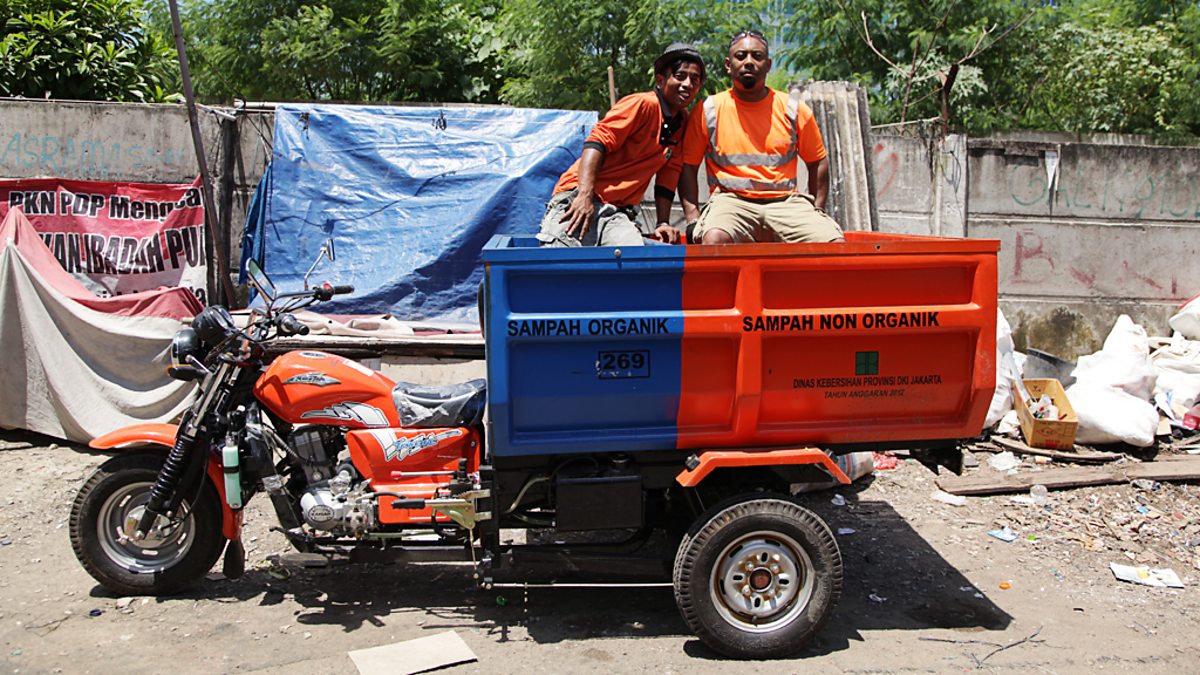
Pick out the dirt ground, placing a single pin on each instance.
(923, 593)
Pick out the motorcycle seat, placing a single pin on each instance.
(452, 405)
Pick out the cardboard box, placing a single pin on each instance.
(1057, 434)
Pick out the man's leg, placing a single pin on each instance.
(726, 219)
(615, 226)
(796, 220)
(554, 230)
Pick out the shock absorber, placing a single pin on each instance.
(165, 484)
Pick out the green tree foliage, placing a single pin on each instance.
(1128, 66)
(83, 49)
(345, 50)
(1107, 78)
(900, 49)
(559, 53)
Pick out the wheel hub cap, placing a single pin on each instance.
(760, 579)
(761, 582)
(159, 532)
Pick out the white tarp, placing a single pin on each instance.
(74, 372)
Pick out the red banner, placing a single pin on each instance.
(117, 238)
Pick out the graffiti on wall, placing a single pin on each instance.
(1036, 262)
(1109, 189)
(887, 165)
(887, 159)
(87, 157)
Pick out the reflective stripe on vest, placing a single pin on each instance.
(750, 159)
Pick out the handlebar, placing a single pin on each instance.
(327, 291)
(290, 325)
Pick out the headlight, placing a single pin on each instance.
(213, 324)
(184, 344)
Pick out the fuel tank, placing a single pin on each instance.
(312, 387)
(413, 463)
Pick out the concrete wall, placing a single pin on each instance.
(915, 173)
(1114, 229)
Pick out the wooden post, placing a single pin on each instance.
(210, 211)
(612, 88)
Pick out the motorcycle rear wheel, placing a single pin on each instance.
(170, 559)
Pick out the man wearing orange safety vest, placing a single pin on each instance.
(597, 201)
(750, 138)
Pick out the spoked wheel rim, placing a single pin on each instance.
(762, 581)
(162, 547)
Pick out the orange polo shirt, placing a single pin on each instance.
(758, 128)
(629, 134)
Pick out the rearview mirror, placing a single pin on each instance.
(325, 252)
(259, 280)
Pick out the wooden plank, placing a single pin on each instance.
(1061, 455)
(1177, 469)
(996, 484)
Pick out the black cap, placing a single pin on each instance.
(678, 50)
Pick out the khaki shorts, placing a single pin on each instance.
(611, 225)
(793, 219)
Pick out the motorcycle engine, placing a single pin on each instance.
(334, 503)
(339, 506)
(317, 446)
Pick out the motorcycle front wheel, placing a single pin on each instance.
(172, 557)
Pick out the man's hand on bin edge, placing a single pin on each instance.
(668, 234)
(579, 213)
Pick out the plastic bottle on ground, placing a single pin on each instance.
(1039, 494)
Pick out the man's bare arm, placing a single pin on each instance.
(664, 230)
(689, 192)
(579, 213)
(818, 181)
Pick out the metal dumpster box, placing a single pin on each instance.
(882, 338)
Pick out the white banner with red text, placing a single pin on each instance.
(117, 238)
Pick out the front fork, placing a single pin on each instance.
(166, 495)
(183, 473)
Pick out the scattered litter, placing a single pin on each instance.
(947, 498)
(1039, 494)
(1005, 585)
(5, 541)
(1004, 461)
(1009, 425)
(124, 603)
(877, 599)
(1044, 409)
(1144, 484)
(838, 500)
(501, 601)
(1003, 534)
(414, 656)
(885, 461)
(967, 589)
(1146, 576)
(16, 652)
(846, 530)
(95, 612)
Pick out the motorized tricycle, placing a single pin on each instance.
(659, 389)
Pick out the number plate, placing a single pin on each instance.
(622, 365)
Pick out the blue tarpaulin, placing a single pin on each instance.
(410, 196)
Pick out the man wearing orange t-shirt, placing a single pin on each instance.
(750, 138)
(597, 200)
